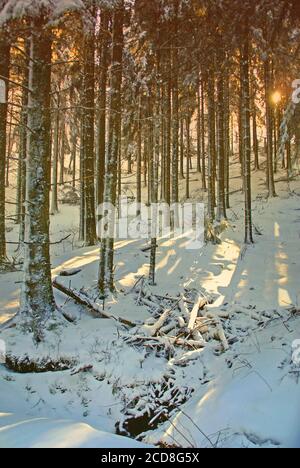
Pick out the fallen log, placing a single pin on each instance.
(199, 305)
(184, 310)
(222, 336)
(70, 272)
(93, 306)
(166, 340)
(152, 330)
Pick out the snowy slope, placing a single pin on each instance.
(16, 432)
(248, 396)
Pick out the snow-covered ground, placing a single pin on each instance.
(247, 396)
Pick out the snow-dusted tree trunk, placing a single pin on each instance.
(37, 302)
(175, 110)
(269, 125)
(212, 145)
(54, 197)
(4, 71)
(255, 137)
(227, 136)
(245, 83)
(221, 206)
(139, 158)
(105, 15)
(199, 147)
(202, 101)
(106, 270)
(90, 236)
(157, 125)
(20, 212)
(188, 154)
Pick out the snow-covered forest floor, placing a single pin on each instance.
(169, 394)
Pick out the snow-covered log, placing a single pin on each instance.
(94, 307)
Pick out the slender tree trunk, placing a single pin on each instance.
(89, 138)
(203, 151)
(212, 147)
(245, 83)
(227, 137)
(22, 151)
(168, 135)
(9, 142)
(175, 111)
(61, 150)
(37, 303)
(106, 270)
(105, 16)
(199, 147)
(221, 207)
(54, 198)
(139, 160)
(269, 124)
(188, 154)
(255, 140)
(4, 71)
(82, 182)
(157, 123)
(182, 148)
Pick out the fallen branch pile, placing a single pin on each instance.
(182, 321)
(186, 321)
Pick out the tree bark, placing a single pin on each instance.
(269, 124)
(106, 270)
(105, 16)
(54, 197)
(37, 302)
(212, 146)
(221, 207)
(4, 71)
(245, 83)
(89, 137)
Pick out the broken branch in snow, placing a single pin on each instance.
(82, 370)
(70, 272)
(94, 307)
(40, 243)
(135, 284)
(199, 305)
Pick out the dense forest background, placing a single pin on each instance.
(161, 101)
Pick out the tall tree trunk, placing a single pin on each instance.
(203, 151)
(82, 181)
(221, 208)
(139, 159)
(89, 138)
(168, 134)
(23, 149)
(54, 197)
(9, 141)
(182, 148)
(188, 155)
(37, 302)
(255, 139)
(106, 270)
(199, 147)
(4, 71)
(269, 124)
(212, 146)
(227, 137)
(245, 83)
(157, 124)
(175, 110)
(105, 16)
